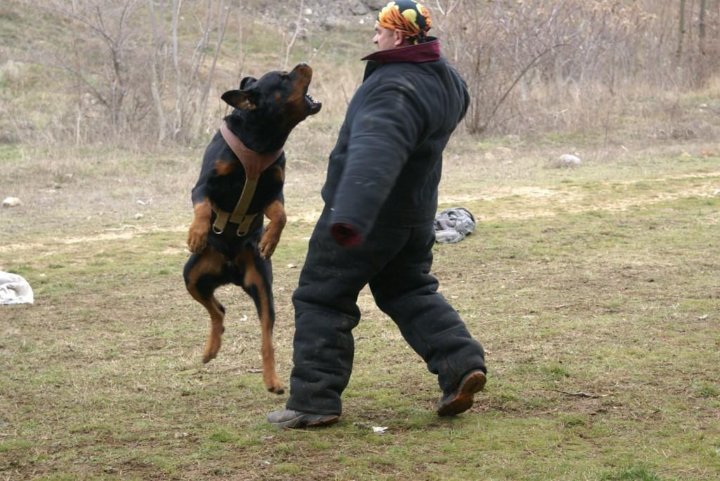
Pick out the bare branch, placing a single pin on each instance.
(296, 32)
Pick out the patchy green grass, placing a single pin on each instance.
(594, 291)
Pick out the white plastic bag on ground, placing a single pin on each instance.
(14, 289)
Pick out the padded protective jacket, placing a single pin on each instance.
(387, 163)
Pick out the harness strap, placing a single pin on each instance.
(254, 165)
(239, 214)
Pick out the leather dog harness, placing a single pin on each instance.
(254, 165)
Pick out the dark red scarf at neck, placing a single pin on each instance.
(423, 52)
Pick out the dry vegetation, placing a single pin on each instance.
(538, 66)
(594, 289)
(150, 72)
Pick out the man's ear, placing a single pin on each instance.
(240, 99)
(399, 38)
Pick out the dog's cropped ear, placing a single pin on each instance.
(246, 82)
(240, 99)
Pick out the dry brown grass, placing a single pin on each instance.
(594, 291)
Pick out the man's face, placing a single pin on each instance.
(384, 38)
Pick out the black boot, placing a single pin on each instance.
(461, 399)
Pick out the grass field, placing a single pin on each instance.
(595, 290)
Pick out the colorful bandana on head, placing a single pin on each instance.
(408, 17)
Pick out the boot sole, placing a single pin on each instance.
(302, 421)
(463, 398)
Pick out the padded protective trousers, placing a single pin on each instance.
(395, 262)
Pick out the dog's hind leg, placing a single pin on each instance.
(257, 282)
(203, 274)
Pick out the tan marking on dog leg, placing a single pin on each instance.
(275, 212)
(200, 226)
(254, 279)
(210, 263)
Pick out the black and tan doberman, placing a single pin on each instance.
(241, 182)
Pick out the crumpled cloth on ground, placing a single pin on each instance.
(14, 289)
(452, 225)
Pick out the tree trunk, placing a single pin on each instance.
(156, 68)
(202, 106)
(681, 30)
(701, 26)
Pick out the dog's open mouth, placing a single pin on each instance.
(313, 105)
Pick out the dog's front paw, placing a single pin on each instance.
(271, 236)
(197, 238)
(200, 226)
(267, 244)
(277, 389)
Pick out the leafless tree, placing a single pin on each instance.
(108, 44)
(681, 28)
(290, 43)
(702, 32)
(528, 64)
(182, 74)
(147, 70)
(131, 65)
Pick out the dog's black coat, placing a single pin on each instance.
(265, 112)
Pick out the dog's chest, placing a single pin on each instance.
(226, 184)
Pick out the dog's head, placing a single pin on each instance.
(279, 98)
